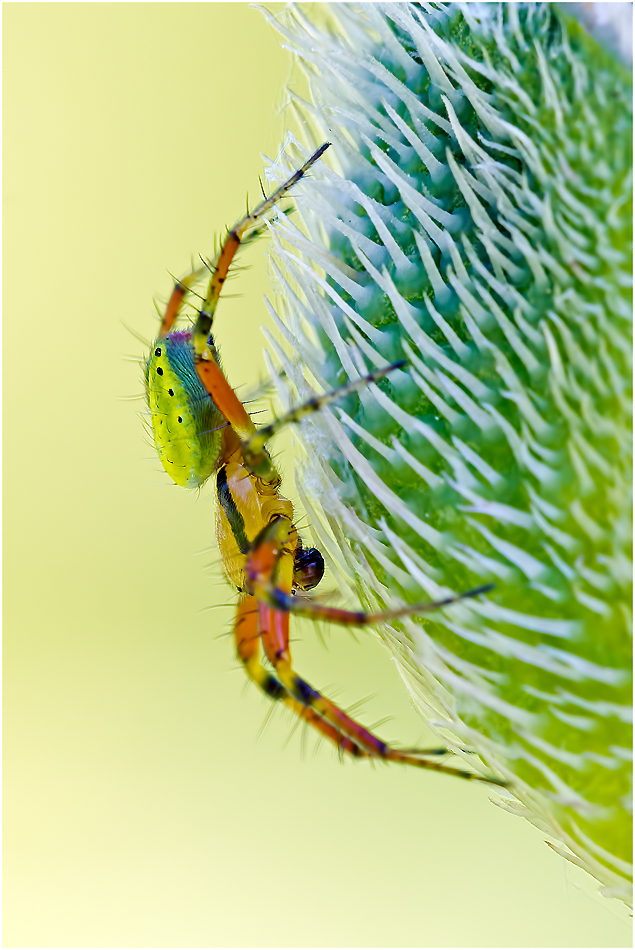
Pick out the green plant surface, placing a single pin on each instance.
(476, 220)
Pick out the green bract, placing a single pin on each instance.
(479, 225)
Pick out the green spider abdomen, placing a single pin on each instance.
(186, 422)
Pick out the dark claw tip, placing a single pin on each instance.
(485, 589)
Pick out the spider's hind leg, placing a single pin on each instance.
(270, 575)
(340, 722)
(248, 649)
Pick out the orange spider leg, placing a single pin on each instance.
(270, 570)
(177, 297)
(261, 550)
(226, 399)
(241, 428)
(210, 374)
(247, 635)
(208, 370)
(228, 251)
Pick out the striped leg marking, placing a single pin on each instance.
(270, 572)
(248, 649)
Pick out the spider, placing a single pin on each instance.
(202, 429)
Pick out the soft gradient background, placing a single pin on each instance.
(141, 808)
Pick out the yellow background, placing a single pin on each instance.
(141, 808)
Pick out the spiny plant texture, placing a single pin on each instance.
(478, 224)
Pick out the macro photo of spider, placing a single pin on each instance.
(201, 430)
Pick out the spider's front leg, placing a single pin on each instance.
(223, 402)
(231, 243)
(269, 572)
(175, 303)
(243, 430)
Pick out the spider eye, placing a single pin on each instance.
(308, 568)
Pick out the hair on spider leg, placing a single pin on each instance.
(294, 728)
(319, 626)
(341, 755)
(211, 265)
(374, 726)
(247, 685)
(303, 739)
(177, 282)
(251, 397)
(215, 429)
(273, 706)
(229, 631)
(233, 296)
(224, 635)
(194, 293)
(319, 739)
(354, 707)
